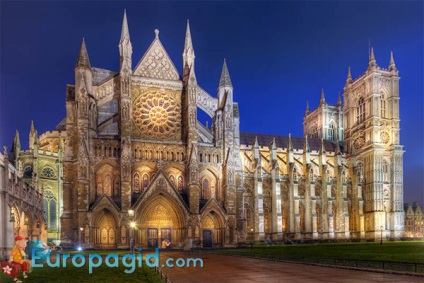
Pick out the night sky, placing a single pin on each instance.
(279, 55)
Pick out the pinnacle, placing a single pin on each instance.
(372, 62)
(225, 79)
(339, 100)
(125, 34)
(322, 96)
(290, 145)
(392, 65)
(188, 44)
(32, 126)
(17, 140)
(349, 75)
(83, 60)
(307, 149)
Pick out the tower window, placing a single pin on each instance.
(360, 111)
(383, 106)
(330, 134)
(314, 133)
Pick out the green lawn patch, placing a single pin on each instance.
(72, 274)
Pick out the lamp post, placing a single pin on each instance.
(381, 235)
(79, 248)
(132, 225)
(251, 242)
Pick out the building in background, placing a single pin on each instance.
(21, 208)
(132, 150)
(414, 221)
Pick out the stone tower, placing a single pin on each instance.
(373, 145)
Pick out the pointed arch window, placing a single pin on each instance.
(145, 181)
(172, 180)
(206, 192)
(136, 183)
(330, 135)
(180, 183)
(314, 133)
(385, 172)
(107, 185)
(50, 209)
(360, 111)
(117, 187)
(383, 106)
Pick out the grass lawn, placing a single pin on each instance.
(353, 254)
(72, 274)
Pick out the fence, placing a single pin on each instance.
(413, 267)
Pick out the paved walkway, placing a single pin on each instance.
(221, 269)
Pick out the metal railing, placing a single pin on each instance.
(413, 267)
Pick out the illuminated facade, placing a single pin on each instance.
(132, 141)
(21, 207)
(414, 221)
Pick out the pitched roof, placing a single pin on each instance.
(282, 142)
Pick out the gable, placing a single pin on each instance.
(156, 63)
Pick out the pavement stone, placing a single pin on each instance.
(222, 269)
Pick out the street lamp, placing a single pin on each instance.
(251, 243)
(132, 225)
(381, 235)
(79, 248)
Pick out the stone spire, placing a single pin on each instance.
(125, 34)
(125, 47)
(290, 144)
(225, 80)
(392, 65)
(83, 60)
(322, 101)
(339, 100)
(372, 62)
(349, 76)
(31, 135)
(188, 53)
(307, 108)
(17, 140)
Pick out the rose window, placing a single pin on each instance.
(157, 115)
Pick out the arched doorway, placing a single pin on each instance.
(160, 220)
(213, 230)
(105, 230)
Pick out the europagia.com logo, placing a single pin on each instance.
(130, 261)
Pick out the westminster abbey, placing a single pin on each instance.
(132, 151)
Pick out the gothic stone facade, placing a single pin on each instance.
(133, 142)
(42, 166)
(21, 208)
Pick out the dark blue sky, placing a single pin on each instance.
(279, 55)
